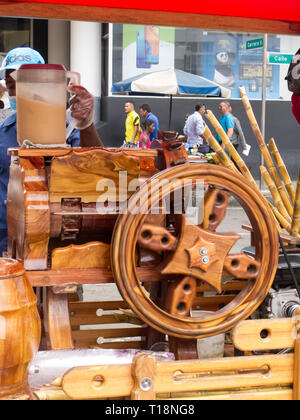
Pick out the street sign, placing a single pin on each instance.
(254, 43)
(277, 58)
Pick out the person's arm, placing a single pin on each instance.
(135, 130)
(229, 125)
(200, 126)
(89, 137)
(82, 110)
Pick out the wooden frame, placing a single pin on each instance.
(116, 15)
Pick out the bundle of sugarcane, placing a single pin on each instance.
(230, 148)
(274, 192)
(286, 201)
(282, 169)
(222, 157)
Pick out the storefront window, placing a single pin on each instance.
(223, 57)
(13, 31)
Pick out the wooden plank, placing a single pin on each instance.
(296, 389)
(255, 394)
(214, 300)
(264, 334)
(112, 332)
(89, 340)
(109, 305)
(89, 255)
(107, 14)
(227, 286)
(196, 375)
(61, 277)
(86, 174)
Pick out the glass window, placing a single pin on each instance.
(13, 32)
(224, 57)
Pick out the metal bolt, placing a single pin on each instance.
(146, 384)
(205, 260)
(203, 251)
(72, 313)
(33, 369)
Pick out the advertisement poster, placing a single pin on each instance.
(227, 61)
(147, 48)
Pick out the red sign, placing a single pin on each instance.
(263, 9)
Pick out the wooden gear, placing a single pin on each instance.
(184, 264)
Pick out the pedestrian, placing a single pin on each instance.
(226, 122)
(132, 126)
(82, 109)
(194, 127)
(145, 112)
(144, 140)
(238, 135)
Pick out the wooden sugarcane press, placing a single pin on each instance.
(72, 220)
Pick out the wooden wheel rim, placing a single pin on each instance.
(124, 244)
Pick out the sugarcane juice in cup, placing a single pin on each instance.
(40, 122)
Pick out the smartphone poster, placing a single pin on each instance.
(152, 44)
(141, 51)
(146, 48)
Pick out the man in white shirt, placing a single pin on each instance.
(194, 127)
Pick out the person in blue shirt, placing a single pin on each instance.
(145, 112)
(82, 107)
(226, 121)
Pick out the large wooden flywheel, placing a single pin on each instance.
(190, 251)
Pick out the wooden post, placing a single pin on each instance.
(296, 388)
(143, 373)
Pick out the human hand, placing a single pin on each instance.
(82, 106)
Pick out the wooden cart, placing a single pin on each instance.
(162, 264)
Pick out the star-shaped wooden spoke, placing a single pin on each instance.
(201, 254)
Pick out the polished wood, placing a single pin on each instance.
(262, 334)
(156, 238)
(66, 276)
(100, 314)
(174, 153)
(20, 328)
(268, 376)
(241, 266)
(143, 372)
(118, 15)
(296, 387)
(215, 208)
(256, 372)
(56, 320)
(28, 212)
(89, 255)
(189, 262)
(86, 173)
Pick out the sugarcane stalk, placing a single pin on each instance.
(282, 170)
(275, 194)
(281, 220)
(215, 158)
(296, 215)
(283, 194)
(264, 150)
(252, 119)
(229, 146)
(221, 155)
